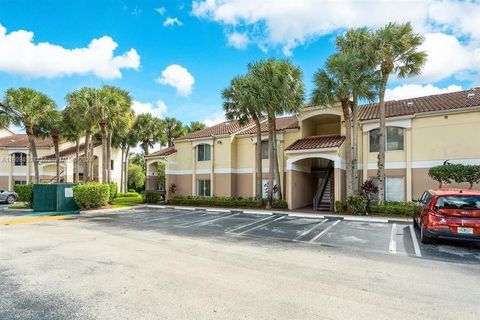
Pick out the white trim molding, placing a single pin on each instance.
(402, 123)
(208, 141)
(313, 113)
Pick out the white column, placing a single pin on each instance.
(10, 172)
(194, 169)
(212, 168)
(408, 160)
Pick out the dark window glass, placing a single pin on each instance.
(20, 182)
(264, 149)
(374, 140)
(20, 159)
(112, 166)
(203, 188)
(459, 202)
(393, 142)
(203, 153)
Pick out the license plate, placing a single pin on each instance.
(465, 230)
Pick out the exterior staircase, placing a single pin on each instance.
(323, 200)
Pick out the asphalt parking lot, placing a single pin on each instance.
(375, 236)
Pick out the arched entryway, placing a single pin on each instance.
(314, 182)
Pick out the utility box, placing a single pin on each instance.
(56, 197)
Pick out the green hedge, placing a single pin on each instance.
(113, 191)
(25, 193)
(357, 205)
(459, 173)
(151, 197)
(223, 202)
(128, 195)
(394, 208)
(91, 195)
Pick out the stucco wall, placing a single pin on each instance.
(302, 189)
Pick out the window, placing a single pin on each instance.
(20, 159)
(394, 188)
(203, 188)
(458, 202)
(20, 182)
(203, 153)
(265, 150)
(393, 142)
(112, 166)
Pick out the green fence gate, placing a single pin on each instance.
(56, 197)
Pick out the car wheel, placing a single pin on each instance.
(415, 223)
(11, 199)
(423, 237)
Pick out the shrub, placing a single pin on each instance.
(217, 201)
(459, 173)
(113, 191)
(394, 208)
(25, 193)
(132, 190)
(91, 195)
(128, 194)
(151, 197)
(472, 174)
(340, 207)
(357, 205)
(280, 204)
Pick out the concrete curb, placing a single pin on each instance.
(290, 214)
(91, 212)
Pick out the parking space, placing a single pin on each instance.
(392, 238)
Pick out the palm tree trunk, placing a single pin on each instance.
(86, 156)
(103, 129)
(57, 157)
(348, 145)
(122, 170)
(126, 168)
(277, 169)
(258, 157)
(145, 147)
(77, 160)
(109, 156)
(271, 156)
(355, 182)
(91, 158)
(381, 150)
(33, 148)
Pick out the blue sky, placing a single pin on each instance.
(174, 57)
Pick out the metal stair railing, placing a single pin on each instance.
(321, 190)
(56, 177)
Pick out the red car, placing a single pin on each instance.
(448, 214)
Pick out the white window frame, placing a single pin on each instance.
(204, 153)
(201, 192)
(386, 139)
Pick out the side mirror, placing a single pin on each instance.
(2, 191)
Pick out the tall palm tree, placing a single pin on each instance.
(148, 130)
(26, 107)
(280, 90)
(194, 126)
(396, 48)
(364, 82)
(52, 126)
(130, 140)
(73, 132)
(332, 87)
(172, 129)
(239, 104)
(80, 105)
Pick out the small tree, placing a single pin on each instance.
(136, 176)
(440, 174)
(369, 189)
(472, 174)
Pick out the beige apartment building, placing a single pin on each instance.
(421, 133)
(16, 163)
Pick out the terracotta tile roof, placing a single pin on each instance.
(21, 141)
(69, 153)
(290, 122)
(317, 142)
(227, 127)
(438, 102)
(162, 153)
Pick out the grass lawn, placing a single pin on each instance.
(122, 202)
(18, 206)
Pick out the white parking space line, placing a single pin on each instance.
(324, 232)
(393, 241)
(416, 247)
(207, 221)
(170, 217)
(260, 226)
(310, 230)
(249, 224)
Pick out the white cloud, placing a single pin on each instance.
(161, 10)
(157, 110)
(238, 40)
(416, 90)
(172, 21)
(179, 78)
(19, 54)
(215, 119)
(451, 27)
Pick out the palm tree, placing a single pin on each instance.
(52, 126)
(239, 104)
(280, 90)
(194, 126)
(130, 140)
(332, 87)
(80, 105)
(364, 82)
(396, 48)
(26, 107)
(148, 130)
(73, 132)
(172, 129)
